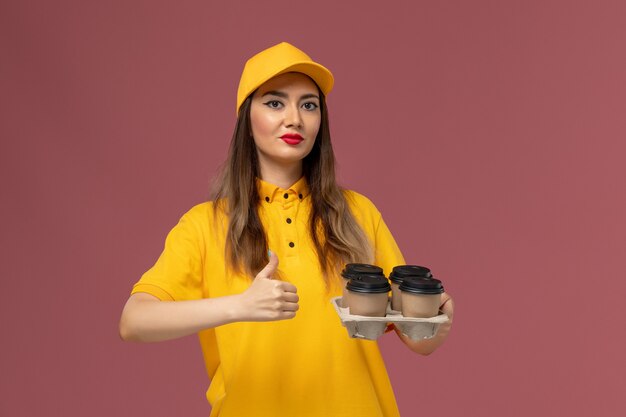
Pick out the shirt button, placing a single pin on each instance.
(286, 195)
(291, 244)
(267, 199)
(288, 220)
(300, 196)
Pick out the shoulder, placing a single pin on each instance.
(359, 202)
(201, 225)
(203, 216)
(362, 207)
(201, 210)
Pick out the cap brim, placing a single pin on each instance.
(318, 73)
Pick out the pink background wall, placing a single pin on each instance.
(491, 134)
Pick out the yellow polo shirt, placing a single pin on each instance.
(306, 366)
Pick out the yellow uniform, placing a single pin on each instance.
(306, 366)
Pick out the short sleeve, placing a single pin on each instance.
(178, 273)
(387, 253)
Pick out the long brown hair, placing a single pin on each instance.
(336, 235)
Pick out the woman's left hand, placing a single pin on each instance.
(447, 308)
(428, 346)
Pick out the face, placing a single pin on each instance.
(285, 116)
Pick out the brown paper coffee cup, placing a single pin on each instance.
(368, 295)
(355, 270)
(421, 296)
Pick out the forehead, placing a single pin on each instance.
(293, 82)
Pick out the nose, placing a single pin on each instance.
(293, 118)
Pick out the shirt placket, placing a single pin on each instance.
(288, 213)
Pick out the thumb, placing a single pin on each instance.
(447, 306)
(270, 268)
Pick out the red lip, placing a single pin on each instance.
(292, 138)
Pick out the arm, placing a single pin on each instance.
(147, 319)
(428, 346)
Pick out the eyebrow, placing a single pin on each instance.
(284, 95)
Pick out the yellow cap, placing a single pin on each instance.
(277, 60)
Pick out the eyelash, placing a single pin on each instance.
(271, 103)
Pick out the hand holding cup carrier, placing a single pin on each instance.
(414, 304)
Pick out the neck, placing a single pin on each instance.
(282, 175)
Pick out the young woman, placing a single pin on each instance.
(272, 342)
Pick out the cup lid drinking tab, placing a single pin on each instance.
(370, 284)
(354, 270)
(421, 285)
(402, 271)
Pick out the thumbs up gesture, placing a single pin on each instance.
(268, 299)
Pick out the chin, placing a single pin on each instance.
(288, 156)
(288, 159)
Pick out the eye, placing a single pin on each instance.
(310, 106)
(273, 104)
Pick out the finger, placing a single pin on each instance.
(288, 287)
(270, 268)
(286, 315)
(291, 307)
(290, 297)
(447, 307)
(445, 297)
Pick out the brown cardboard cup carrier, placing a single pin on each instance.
(371, 328)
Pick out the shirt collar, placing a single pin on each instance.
(268, 192)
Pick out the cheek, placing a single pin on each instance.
(314, 126)
(261, 125)
(255, 124)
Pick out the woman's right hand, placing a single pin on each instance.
(268, 299)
